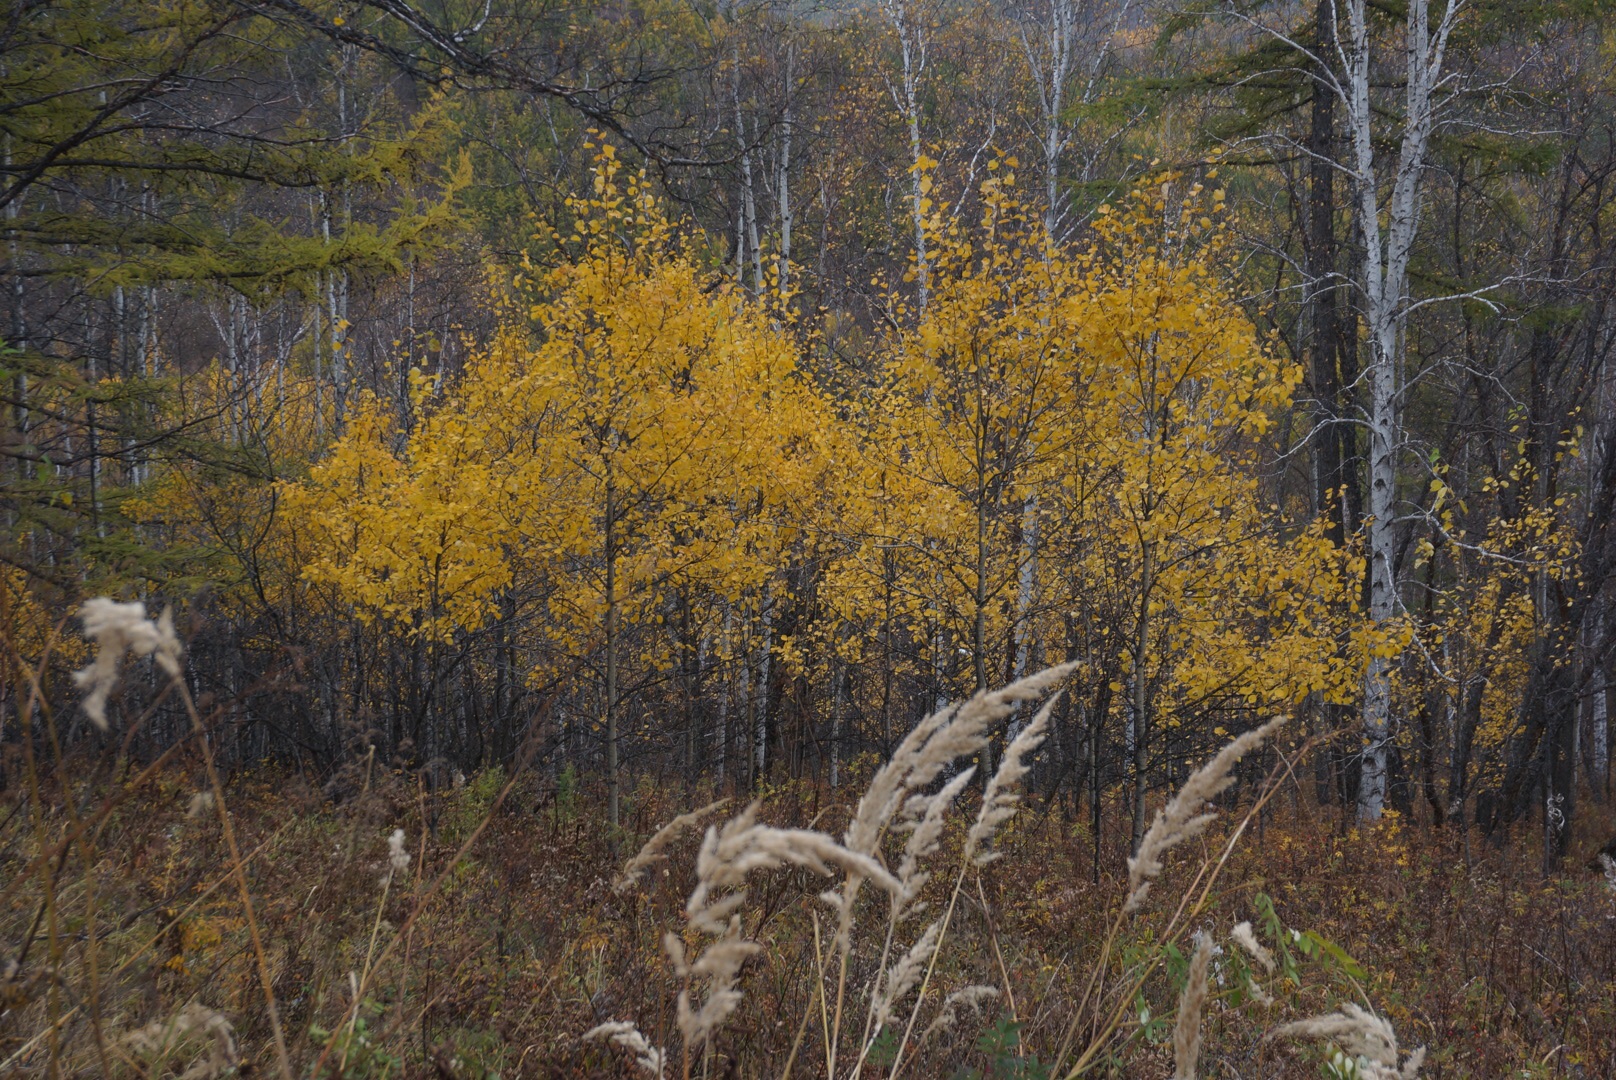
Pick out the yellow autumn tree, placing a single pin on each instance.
(1063, 461)
(639, 431)
(1190, 585)
(977, 409)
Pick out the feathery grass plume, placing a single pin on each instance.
(943, 737)
(194, 1030)
(626, 1035)
(728, 855)
(1001, 797)
(1367, 1037)
(674, 946)
(925, 836)
(655, 849)
(937, 741)
(720, 964)
(397, 858)
(116, 629)
(971, 997)
(1247, 940)
(906, 973)
(1187, 1028)
(1182, 818)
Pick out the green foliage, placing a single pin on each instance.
(354, 1050)
(884, 1049)
(566, 793)
(470, 804)
(1007, 1059)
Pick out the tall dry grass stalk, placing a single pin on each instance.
(896, 802)
(69, 987)
(655, 849)
(1243, 936)
(1187, 1025)
(902, 820)
(971, 998)
(626, 1035)
(1185, 816)
(1102, 1007)
(118, 629)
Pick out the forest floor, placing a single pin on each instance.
(502, 940)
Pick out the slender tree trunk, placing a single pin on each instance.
(1385, 292)
(613, 810)
(722, 752)
(747, 230)
(746, 712)
(689, 671)
(783, 259)
(838, 698)
(1382, 586)
(912, 56)
(762, 713)
(1324, 299)
(979, 597)
(1140, 699)
(1026, 590)
(1600, 734)
(919, 180)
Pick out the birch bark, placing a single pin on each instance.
(903, 16)
(1384, 292)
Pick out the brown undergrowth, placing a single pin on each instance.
(162, 919)
(524, 946)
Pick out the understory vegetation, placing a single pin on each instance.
(382, 925)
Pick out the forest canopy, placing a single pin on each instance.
(718, 389)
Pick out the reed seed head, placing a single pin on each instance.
(1191, 1004)
(1001, 798)
(116, 629)
(1183, 817)
(194, 1030)
(1247, 940)
(397, 858)
(906, 973)
(1361, 1034)
(972, 997)
(655, 849)
(626, 1035)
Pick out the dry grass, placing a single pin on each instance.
(161, 921)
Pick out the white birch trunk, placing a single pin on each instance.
(1384, 286)
(783, 202)
(746, 233)
(1050, 61)
(901, 15)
